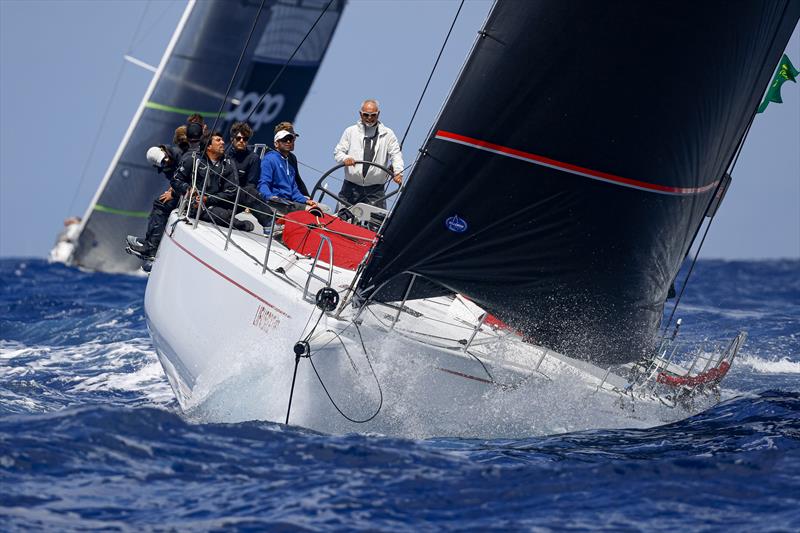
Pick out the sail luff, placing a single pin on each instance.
(396, 204)
(139, 110)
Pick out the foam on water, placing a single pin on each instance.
(91, 437)
(251, 386)
(779, 366)
(48, 377)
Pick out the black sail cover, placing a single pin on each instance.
(196, 72)
(569, 170)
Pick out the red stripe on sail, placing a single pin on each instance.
(567, 167)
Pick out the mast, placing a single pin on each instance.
(145, 98)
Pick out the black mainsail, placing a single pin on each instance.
(192, 78)
(574, 160)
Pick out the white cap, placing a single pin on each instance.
(283, 133)
(155, 155)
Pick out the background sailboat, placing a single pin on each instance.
(192, 78)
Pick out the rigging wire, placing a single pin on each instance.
(686, 281)
(278, 75)
(435, 64)
(374, 375)
(149, 30)
(238, 65)
(708, 226)
(309, 356)
(107, 109)
(286, 64)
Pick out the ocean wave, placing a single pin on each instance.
(770, 366)
(45, 378)
(91, 437)
(268, 475)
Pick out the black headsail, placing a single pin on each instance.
(574, 160)
(192, 78)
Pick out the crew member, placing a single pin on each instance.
(220, 177)
(248, 166)
(288, 126)
(278, 177)
(368, 140)
(165, 158)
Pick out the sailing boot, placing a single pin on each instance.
(243, 225)
(139, 248)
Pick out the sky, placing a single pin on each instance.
(67, 97)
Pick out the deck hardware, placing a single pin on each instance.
(403, 303)
(327, 299)
(269, 242)
(301, 349)
(233, 218)
(323, 240)
(475, 331)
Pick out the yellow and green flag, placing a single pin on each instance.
(786, 71)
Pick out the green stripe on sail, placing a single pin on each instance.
(122, 212)
(179, 110)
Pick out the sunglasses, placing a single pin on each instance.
(287, 139)
(241, 138)
(369, 115)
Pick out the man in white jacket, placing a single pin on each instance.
(368, 140)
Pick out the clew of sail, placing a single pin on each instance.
(192, 77)
(573, 162)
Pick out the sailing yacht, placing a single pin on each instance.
(531, 250)
(189, 79)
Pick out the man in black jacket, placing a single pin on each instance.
(220, 176)
(165, 158)
(247, 162)
(248, 166)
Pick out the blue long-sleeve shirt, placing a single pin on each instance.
(278, 178)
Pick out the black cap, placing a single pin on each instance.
(194, 131)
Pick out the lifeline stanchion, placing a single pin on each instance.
(233, 218)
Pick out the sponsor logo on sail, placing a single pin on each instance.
(456, 224)
(266, 111)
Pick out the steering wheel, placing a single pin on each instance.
(323, 191)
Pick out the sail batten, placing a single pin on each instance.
(576, 156)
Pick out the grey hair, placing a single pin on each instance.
(370, 101)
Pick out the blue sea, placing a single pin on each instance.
(91, 437)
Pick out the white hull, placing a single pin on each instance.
(225, 333)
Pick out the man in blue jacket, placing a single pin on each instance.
(277, 183)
